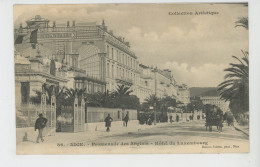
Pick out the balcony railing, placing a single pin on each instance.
(124, 80)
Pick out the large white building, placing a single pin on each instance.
(217, 101)
(88, 56)
(155, 81)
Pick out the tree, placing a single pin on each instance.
(152, 100)
(123, 99)
(122, 90)
(242, 22)
(71, 94)
(167, 102)
(130, 102)
(235, 88)
(195, 104)
(101, 99)
(49, 90)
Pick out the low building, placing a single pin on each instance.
(31, 73)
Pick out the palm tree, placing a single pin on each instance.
(71, 94)
(99, 99)
(122, 90)
(242, 22)
(48, 90)
(235, 88)
(121, 94)
(152, 100)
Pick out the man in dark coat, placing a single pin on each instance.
(40, 124)
(108, 121)
(177, 118)
(171, 119)
(126, 119)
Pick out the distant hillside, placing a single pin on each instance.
(210, 93)
(203, 91)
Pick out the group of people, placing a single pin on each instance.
(109, 119)
(177, 118)
(41, 122)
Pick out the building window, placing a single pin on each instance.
(112, 54)
(108, 70)
(107, 51)
(117, 56)
(112, 70)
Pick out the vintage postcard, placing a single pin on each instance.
(131, 78)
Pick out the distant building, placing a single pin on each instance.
(145, 83)
(183, 94)
(215, 100)
(155, 81)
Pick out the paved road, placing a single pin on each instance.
(188, 137)
(183, 131)
(184, 135)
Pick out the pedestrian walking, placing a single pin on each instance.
(171, 119)
(149, 120)
(108, 121)
(40, 124)
(177, 118)
(126, 119)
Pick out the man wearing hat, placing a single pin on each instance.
(40, 124)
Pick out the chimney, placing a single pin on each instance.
(103, 23)
(73, 23)
(68, 23)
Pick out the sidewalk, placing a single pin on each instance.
(83, 136)
(87, 138)
(243, 129)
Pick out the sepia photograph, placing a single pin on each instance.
(150, 78)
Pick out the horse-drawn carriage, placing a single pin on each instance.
(214, 117)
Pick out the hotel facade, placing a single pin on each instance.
(217, 101)
(82, 55)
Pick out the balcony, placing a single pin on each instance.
(124, 81)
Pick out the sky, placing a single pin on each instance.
(196, 48)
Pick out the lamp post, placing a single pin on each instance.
(155, 113)
(155, 90)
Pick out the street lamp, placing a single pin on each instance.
(155, 90)
(154, 113)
